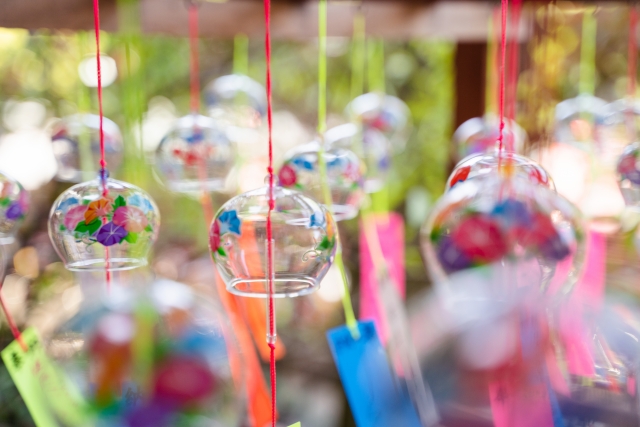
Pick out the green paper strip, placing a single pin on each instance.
(241, 54)
(349, 314)
(587, 82)
(296, 425)
(46, 393)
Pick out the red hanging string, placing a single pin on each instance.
(195, 58)
(501, 71)
(514, 48)
(270, 273)
(103, 160)
(194, 89)
(7, 314)
(96, 20)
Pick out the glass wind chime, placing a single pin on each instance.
(196, 155)
(476, 137)
(502, 241)
(272, 242)
(140, 343)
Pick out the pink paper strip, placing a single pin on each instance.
(587, 295)
(390, 228)
(520, 405)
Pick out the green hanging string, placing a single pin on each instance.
(376, 66)
(358, 62)
(349, 314)
(241, 54)
(587, 82)
(377, 83)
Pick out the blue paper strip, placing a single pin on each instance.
(375, 397)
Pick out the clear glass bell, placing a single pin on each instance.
(345, 175)
(479, 135)
(237, 99)
(196, 155)
(14, 204)
(577, 120)
(76, 146)
(501, 238)
(479, 165)
(158, 355)
(304, 242)
(385, 113)
(92, 231)
(370, 145)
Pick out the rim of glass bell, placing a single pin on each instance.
(193, 187)
(286, 285)
(118, 259)
(340, 212)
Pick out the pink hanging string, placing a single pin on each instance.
(194, 93)
(270, 254)
(632, 60)
(501, 71)
(103, 160)
(514, 50)
(7, 314)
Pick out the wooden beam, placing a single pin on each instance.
(459, 20)
(292, 19)
(56, 14)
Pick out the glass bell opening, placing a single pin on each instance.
(284, 287)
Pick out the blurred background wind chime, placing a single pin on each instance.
(504, 251)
